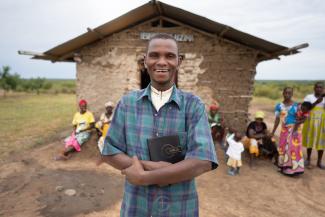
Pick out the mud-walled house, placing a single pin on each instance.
(219, 61)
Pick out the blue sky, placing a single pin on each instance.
(38, 25)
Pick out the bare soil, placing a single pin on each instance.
(33, 184)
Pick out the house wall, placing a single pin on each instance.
(212, 69)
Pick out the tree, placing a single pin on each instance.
(8, 81)
(37, 84)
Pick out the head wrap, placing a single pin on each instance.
(82, 102)
(214, 107)
(109, 104)
(259, 114)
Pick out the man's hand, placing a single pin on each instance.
(135, 173)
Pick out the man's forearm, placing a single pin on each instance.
(118, 161)
(175, 173)
(122, 161)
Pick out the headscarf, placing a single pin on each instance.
(109, 104)
(259, 114)
(82, 102)
(213, 107)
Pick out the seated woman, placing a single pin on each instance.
(103, 124)
(83, 121)
(215, 119)
(257, 139)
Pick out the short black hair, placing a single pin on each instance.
(319, 83)
(288, 88)
(307, 105)
(162, 35)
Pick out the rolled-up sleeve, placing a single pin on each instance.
(199, 140)
(115, 142)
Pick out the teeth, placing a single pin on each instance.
(161, 70)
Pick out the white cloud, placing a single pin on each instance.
(39, 25)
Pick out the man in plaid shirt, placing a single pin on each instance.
(160, 188)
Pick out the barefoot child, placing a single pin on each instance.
(234, 151)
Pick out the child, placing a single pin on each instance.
(234, 151)
(302, 114)
(303, 110)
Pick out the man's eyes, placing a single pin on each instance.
(171, 56)
(168, 56)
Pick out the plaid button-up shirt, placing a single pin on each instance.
(135, 120)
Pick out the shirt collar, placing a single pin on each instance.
(176, 95)
(162, 93)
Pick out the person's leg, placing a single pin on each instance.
(64, 154)
(68, 151)
(276, 158)
(237, 170)
(307, 161)
(319, 159)
(231, 171)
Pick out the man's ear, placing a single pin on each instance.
(180, 60)
(144, 61)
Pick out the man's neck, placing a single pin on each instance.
(162, 87)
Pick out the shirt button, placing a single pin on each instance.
(157, 134)
(156, 114)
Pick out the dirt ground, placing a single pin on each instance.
(33, 184)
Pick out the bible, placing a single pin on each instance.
(165, 148)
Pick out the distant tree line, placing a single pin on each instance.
(13, 82)
(273, 89)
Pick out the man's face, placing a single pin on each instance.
(162, 62)
(319, 89)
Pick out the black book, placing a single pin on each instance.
(165, 148)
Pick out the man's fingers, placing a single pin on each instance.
(135, 160)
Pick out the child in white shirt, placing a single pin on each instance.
(234, 151)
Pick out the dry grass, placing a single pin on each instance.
(28, 120)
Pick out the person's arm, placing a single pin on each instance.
(276, 124)
(122, 161)
(252, 134)
(200, 156)
(119, 161)
(91, 126)
(174, 173)
(74, 128)
(319, 100)
(277, 119)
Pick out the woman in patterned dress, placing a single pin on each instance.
(291, 161)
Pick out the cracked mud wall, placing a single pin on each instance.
(213, 69)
